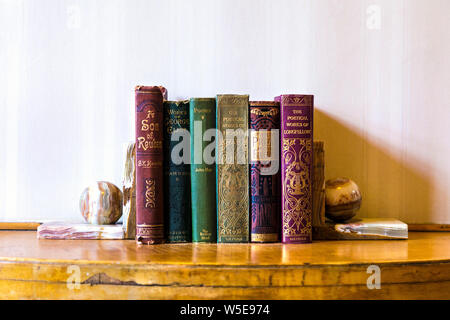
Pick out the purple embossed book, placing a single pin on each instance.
(296, 114)
(264, 171)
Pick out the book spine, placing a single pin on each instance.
(177, 182)
(203, 173)
(149, 165)
(265, 186)
(296, 112)
(232, 169)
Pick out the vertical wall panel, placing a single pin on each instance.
(379, 71)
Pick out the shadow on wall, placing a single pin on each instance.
(390, 188)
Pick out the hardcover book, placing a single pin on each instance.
(177, 200)
(296, 114)
(232, 168)
(264, 171)
(203, 173)
(149, 165)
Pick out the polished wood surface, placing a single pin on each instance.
(19, 225)
(429, 227)
(120, 269)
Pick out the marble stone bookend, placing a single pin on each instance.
(362, 229)
(342, 199)
(129, 192)
(101, 203)
(79, 231)
(318, 184)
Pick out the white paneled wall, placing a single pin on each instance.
(379, 70)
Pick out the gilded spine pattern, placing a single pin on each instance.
(149, 165)
(232, 169)
(296, 167)
(176, 176)
(265, 188)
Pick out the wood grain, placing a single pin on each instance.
(429, 227)
(418, 268)
(19, 225)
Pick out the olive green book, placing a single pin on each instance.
(232, 168)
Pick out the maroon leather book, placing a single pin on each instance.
(265, 185)
(149, 165)
(296, 114)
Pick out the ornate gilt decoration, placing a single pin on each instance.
(233, 200)
(232, 174)
(297, 206)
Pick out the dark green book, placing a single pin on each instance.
(232, 168)
(203, 174)
(177, 204)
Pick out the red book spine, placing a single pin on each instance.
(149, 165)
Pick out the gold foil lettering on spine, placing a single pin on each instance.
(270, 113)
(232, 177)
(148, 141)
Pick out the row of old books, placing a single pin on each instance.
(197, 180)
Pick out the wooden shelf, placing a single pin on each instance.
(417, 268)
